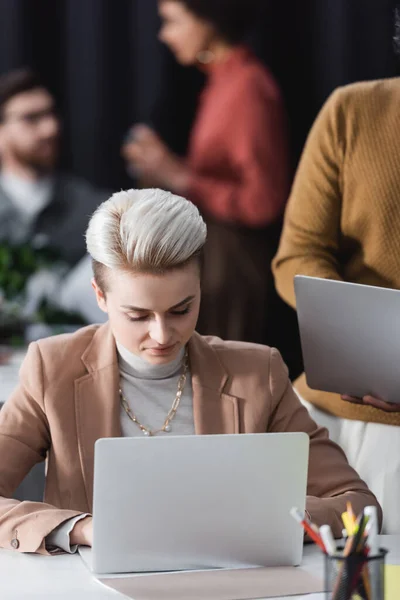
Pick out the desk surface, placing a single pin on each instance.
(29, 577)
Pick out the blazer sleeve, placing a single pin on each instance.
(310, 237)
(331, 481)
(24, 441)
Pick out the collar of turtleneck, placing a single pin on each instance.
(138, 367)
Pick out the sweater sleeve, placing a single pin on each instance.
(310, 238)
(332, 482)
(24, 441)
(254, 190)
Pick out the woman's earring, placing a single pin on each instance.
(205, 57)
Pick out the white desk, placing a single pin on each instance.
(65, 577)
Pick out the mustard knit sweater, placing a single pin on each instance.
(343, 216)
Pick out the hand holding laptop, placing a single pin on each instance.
(375, 402)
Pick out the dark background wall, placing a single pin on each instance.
(108, 71)
(102, 59)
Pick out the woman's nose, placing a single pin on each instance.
(160, 332)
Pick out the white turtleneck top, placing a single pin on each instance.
(150, 391)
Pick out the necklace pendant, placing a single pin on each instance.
(167, 428)
(146, 432)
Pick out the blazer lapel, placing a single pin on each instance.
(214, 411)
(97, 401)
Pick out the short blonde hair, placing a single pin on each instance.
(147, 231)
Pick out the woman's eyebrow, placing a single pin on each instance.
(138, 309)
(185, 301)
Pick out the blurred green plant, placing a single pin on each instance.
(17, 264)
(52, 315)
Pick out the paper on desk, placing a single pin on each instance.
(392, 582)
(224, 584)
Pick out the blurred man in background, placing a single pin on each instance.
(38, 205)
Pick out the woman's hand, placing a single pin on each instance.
(82, 533)
(375, 402)
(151, 158)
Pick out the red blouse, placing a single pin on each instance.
(238, 148)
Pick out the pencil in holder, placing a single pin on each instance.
(355, 577)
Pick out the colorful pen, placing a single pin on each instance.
(308, 527)
(328, 540)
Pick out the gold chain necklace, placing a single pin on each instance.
(171, 414)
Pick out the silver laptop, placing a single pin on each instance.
(350, 337)
(198, 502)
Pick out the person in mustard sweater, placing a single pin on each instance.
(342, 222)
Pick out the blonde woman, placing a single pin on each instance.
(121, 379)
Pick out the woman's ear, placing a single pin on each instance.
(100, 296)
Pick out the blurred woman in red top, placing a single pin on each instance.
(236, 171)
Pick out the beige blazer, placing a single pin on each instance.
(68, 398)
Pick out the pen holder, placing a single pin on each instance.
(355, 577)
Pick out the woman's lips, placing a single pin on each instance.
(161, 349)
